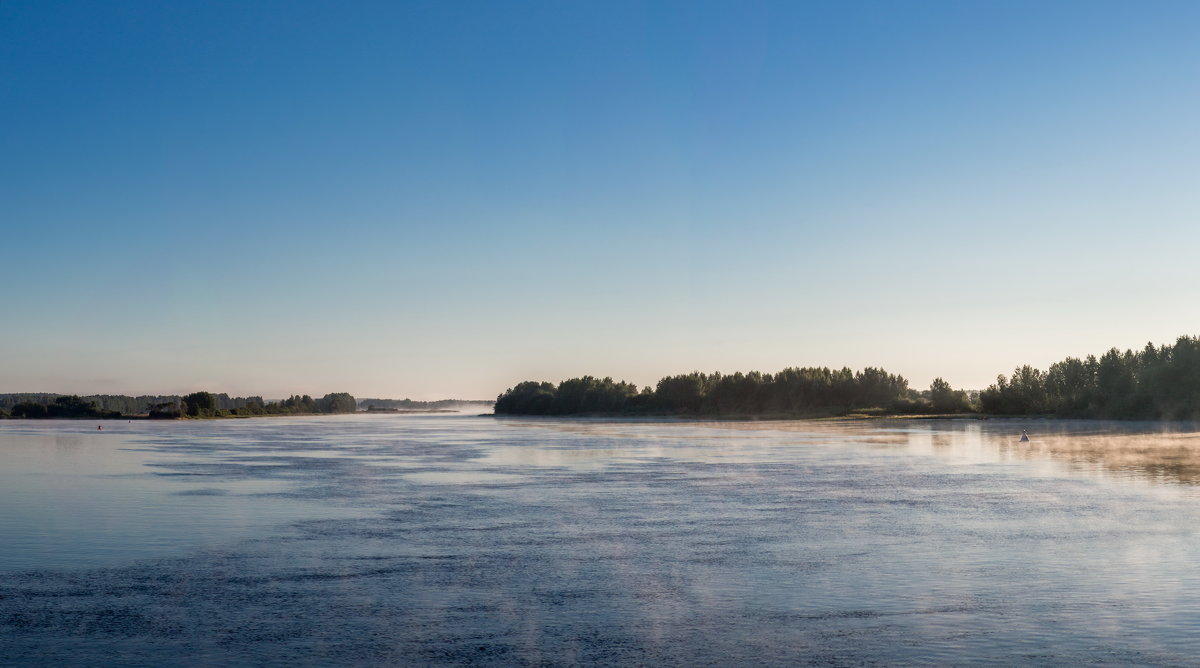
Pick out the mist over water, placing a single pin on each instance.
(447, 539)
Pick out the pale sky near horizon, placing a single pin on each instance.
(441, 199)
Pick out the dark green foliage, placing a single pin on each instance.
(11, 401)
(529, 397)
(62, 407)
(1153, 383)
(29, 409)
(200, 404)
(108, 403)
(591, 395)
(295, 404)
(876, 387)
(337, 402)
(945, 399)
(251, 406)
(789, 392)
(736, 393)
(76, 407)
(197, 404)
(680, 394)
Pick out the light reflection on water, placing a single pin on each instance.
(1115, 451)
(418, 540)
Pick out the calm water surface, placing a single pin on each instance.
(462, 540)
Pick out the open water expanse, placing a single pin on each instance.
(464, 540)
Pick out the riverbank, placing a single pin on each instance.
(231, 416)
(766, 417)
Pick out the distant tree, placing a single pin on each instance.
(878, 388)
(946, 399)
(73, 406)
(754, 393)
(338, 402)
(298, 404)
(1156, 382)
(738, 393)
(251, 406)
(165, 410)
(527, 398)
(62, 406)
(29, 409)
(200, 404)
(799, 390)
(681, 394)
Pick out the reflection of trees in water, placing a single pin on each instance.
(1164, 457)
(1153, 383)
(1155, 451)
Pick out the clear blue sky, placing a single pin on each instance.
(435, 199)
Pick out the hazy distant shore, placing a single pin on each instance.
(208, 405)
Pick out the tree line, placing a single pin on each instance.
(794, 391)
(70, 406)
(205, 404)
(109, 403)
(1154, 383)
(196, 404)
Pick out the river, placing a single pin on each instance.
(467, 540)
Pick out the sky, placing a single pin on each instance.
(442, 199)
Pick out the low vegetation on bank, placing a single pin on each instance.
(204, 404)
(71, 406)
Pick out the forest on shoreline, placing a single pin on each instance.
(41, 405)
(1155, 383)
(793, 392)
(167, 407)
